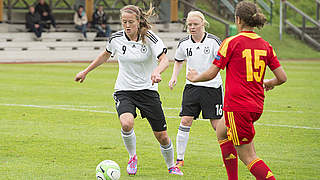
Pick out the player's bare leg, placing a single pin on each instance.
(167, 151)
(182, 138)
(129, 139)
(214, 123)
(229, 153)
(255, 165)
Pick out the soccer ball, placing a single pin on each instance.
(108, 170)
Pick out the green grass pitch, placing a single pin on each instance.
(54, 128)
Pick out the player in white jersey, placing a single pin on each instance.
(198, 49)
(142, 58)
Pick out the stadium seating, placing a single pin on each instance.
(67, 46)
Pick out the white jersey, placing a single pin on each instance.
(136, 60)
(199, 56)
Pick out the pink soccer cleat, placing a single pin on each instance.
(179, 163)
(175, 170)
(132, 165)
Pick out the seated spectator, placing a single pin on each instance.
(33, 23)
(80, 20)
(100, 22)
(45, 12)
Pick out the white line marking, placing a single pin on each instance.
(62, 107)
(171, 108)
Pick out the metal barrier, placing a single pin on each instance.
(301, 31)
(266, 7)
(318, 10)
(225, 23)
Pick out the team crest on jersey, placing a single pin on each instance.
(143, 49)
(206, 50)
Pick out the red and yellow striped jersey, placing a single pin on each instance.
(246, 56)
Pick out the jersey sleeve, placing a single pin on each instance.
(216, 48)
(179, 55)
(273, 62)
(222, 57)
(156, 44)
(110, 47)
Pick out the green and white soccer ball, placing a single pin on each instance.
(108, 170)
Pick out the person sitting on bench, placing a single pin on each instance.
(33, 23)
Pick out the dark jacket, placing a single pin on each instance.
(99, 19)
(42, 8)
(32, 19)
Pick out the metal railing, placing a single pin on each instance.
(301, 31)
(318, 10)
(225, 23)
(266, 7)
(230, 6)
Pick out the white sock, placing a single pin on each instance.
(168, 154)
(129, 139)
(182, 141)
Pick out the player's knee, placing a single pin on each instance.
(186, 121)
(126, 127)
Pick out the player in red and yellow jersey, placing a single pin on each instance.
(245, 57)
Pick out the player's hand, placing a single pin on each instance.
(172, 83)
(267, 85)
(155, 78)
(192, 74)
(80, 76)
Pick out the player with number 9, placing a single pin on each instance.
(142, 58)
(245, 57)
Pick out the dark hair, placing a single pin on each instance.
(250, 14)
(142, 16)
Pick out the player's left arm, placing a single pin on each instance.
(278, 71)
(162, 66)
(280, 78)
(209, 74)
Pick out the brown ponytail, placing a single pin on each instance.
(250, 14)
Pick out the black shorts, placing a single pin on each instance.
(147, 101)
(199, 98)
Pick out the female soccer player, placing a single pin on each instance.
(199, 49)
(245, 57)
(138, 50)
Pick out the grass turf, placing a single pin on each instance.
(54, 128)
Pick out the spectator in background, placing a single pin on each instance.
(100, 22)
(33, 23)
(80, 20)
(45, 12)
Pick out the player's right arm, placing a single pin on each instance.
(103, 57)
(179, 57)
(176, 69)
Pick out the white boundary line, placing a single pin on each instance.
(172, 108)
(64, 107)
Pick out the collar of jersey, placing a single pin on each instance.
(125, 34)
(204, 37)
(249, 34)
